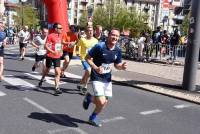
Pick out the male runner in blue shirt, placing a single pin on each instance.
(100, 58)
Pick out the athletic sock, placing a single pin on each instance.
(93, 116)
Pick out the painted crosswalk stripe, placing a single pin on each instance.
(150, 112)
(2, 93)
(70, 75)
(18, 82)
(49, 80)
(113, 119)
(43, 109)
(182, 106)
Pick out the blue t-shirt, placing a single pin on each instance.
(103, 56)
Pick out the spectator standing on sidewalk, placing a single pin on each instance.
(141, 43)
(69, 41)
(165, 42)
(156, 37)
(100, 58)
(24, 37)
(86, 44)
(54, 52)
(175, 38)
(38, 42)
(3, 41)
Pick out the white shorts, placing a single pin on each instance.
(102, 88)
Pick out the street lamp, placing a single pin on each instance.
(22, 2)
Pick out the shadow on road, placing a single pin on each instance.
(61, 119)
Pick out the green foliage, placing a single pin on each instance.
(83, 19)
(117, 15)
(30, 16)
(185, 25)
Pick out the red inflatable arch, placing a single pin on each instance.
(57, 12)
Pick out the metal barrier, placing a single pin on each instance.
(154, 51)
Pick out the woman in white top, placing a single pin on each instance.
(141, 43)
(39, 42)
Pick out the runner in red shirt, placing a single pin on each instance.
(54, 52)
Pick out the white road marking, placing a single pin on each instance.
(78, 130)
(37, 105)
(150, 112)
(49, 80)
(113, 119)
(73, 75)
(2, 93)
(182, 106)
(69, 74)
(18, 82)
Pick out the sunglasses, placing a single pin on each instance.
(59, 27)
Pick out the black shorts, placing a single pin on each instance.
(66, 54)
(22, 45)
(1, 52)
(39, 57)
(50, 61)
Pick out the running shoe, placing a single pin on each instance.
(63, 76)
(33, 68)
(86, 102)
(40, 83)
(57, 91)
(95, 122)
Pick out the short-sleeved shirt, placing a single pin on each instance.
(40, 42)
(2, 47)
(54, 42)
(86, 45)
(69, 37)
(23, 36)
(103, 56)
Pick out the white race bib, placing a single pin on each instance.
(106, 68)
(58, 47)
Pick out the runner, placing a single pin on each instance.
(24, 37)
(54, 52)
(86, 44)
(39, 42)
(69, 40)
(100, 58)
(99, 33)
(3, 41)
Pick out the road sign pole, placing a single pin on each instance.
(192, 53)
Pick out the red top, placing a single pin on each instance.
(54, 43)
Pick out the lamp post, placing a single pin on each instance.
(22, 8)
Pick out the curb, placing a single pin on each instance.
(175, 93)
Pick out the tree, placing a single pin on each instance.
(117, 15)
(83, 19)
(185, 25)
(30, 16)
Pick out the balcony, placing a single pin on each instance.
(147, 1)
(84, 1)
(100, 2)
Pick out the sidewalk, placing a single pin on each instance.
(162, 78)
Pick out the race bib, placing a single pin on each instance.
(106, 68)
(58, 47)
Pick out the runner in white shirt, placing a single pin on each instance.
(39, 42)
(24, 37)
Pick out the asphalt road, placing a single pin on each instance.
(27, 109)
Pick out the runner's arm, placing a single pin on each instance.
(121, 66)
